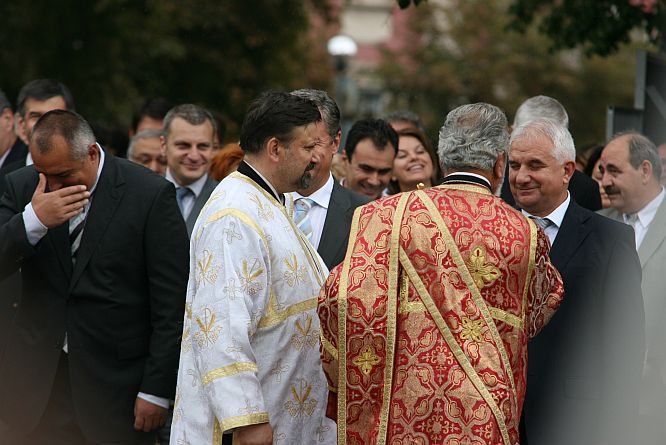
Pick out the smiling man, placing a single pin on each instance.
(368, 158)
(187, 144)
(585, 366)
(250, 356)
(631, 170)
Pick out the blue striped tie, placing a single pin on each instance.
(302, 207)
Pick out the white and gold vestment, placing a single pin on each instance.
(250, 349)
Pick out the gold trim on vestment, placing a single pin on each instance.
(457, 351)
(506, 317)
(342, 329)
(274, 317)
(476, 297)
(226, 371)
(392, 306)
(327, 345)
(244, 217)
(406, 306)
(217, 432)
(531, 264)
(244, 420)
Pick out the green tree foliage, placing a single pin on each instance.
(460, 51)
(600, 27)
(114, 53)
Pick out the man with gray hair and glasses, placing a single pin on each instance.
(585, 366)
(324, 210)
(631, 170)
(584, 190)
(429, 315)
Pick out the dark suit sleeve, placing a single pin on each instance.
(623, 332)
(167, 257)
(14, 245)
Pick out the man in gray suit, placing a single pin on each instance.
(188, 145)
(631, 171)
(324, 210)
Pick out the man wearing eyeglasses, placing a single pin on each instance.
(324, 210)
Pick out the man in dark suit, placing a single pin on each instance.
(93, 352)
(330, 206)
(585, 366)
(584, 190)
(187, 142)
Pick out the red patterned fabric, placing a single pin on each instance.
(425, 325)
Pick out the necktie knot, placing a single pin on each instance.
(631, 218)
(544, 223)
(181, 194)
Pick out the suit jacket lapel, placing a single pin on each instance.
(570, 235)
(59, 237)
(333, 235)
(654, 236)
(207, 189)
(107, 196)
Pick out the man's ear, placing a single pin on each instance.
(336, 141)
(500, 165)
(569, 169)
(273, 149)
(93, 152)
(646, 171)
(163, 144)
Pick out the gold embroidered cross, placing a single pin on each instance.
(483, 273)
(366, 359)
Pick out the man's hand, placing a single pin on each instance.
(259, 434)
(54, 208)
(148, 416)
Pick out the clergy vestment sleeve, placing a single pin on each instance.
(328, 317)
(545, 288)
(231, 293)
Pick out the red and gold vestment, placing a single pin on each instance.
(425, 325)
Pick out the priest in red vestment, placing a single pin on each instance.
(424, 326)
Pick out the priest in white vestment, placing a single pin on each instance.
(249, 363)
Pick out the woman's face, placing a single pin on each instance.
(596, 175)
(412, 164)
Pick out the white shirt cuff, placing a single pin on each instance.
(34, 229)
(159, 401)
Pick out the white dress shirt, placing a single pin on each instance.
(317, 212)
(189, 199)
(555, 217)
(645, 217)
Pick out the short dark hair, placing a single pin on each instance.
(154, 108)
(190, 113)
(43, 89)
(275, 114)
(4, 102)
(378, 130)
(70, 125)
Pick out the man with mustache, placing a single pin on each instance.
(585, 366)
(324, 210)
(187, 144)
(631, 170)
(249, 362)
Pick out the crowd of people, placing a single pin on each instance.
(286, 288)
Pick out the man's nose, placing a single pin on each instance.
(373, 178)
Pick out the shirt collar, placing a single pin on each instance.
(321, 197)
(275, 193)
(556, 216)
(647, 213)
(102, 156)
(196, 187)
(470, 174)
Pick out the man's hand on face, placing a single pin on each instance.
(54, 208)
(259, 434)
(148, 416)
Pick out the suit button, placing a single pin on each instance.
(15, 304)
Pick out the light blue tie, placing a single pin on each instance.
(302, 207)
(181, 193)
